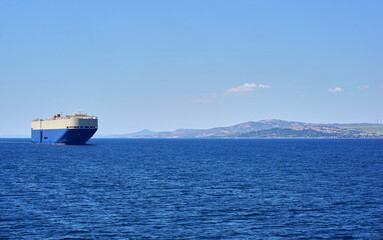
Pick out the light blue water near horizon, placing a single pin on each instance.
(192, 189)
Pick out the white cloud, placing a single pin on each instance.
(247, 87)
(336, 89)
(244, 88)
(231, 92)
(364, 87)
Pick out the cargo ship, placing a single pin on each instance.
(74, 129)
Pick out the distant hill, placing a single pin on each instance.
(143, 133)
(272, 128)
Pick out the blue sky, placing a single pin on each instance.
(164, 65)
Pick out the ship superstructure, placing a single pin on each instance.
(70, 129)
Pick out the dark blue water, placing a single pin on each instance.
(192, 189)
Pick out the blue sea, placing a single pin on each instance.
(192, 189)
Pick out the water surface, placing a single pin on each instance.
(192, 189)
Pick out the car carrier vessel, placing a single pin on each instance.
(70, 129)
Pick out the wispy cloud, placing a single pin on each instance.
(364, 87)
(247, 87)
(381, 86)
(207, 98)
(244, 88)
(263, 86)
(231, 92)
(336, 89)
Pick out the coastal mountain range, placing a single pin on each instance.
(271, 128)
